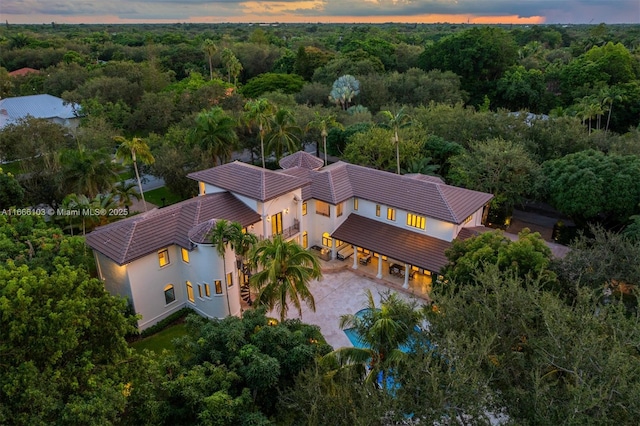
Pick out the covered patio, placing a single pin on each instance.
(393, 254)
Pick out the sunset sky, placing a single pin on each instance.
(365, 11)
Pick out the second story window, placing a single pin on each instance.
(355, 204)
(163, 257)
(416, 221)
(304, 208)
(339, 209)
(322, 208)
(378, 210)
(391, 213)
(185, 255)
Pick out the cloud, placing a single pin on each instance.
(551, 11)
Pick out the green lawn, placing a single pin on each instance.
(155, 196)
(13, 168)
(161, 340)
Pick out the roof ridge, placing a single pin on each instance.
(446, 202)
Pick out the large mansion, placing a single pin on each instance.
(163, 260)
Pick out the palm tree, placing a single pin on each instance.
(215, 132)
(612, 94)
(87, 172)
(286, 270)
(395, 121)
(324, 123)
(383, 331)
(210, 49)
(259, 112)
(100, 206)
(132, 150)
(421, 165)
(78, 205)
(125, 192)
(283, 136)
(223, 235)
(243, 242)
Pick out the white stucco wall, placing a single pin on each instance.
(116, 280)
(205, 266)
(148, 281)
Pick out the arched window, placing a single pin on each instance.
(169, 294)
(326, 239)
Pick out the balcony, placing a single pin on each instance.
(292, 230)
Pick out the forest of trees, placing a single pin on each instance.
(551, 111)
(539, 113)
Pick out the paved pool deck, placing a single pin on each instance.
(341, 291)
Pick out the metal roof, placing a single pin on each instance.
(37, 106)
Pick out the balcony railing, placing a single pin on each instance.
(292, 230)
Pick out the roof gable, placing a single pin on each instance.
(250, 181)
(138, 236)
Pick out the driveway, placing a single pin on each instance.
(341, 292)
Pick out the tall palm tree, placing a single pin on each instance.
(383, 331)
(611, 94)
(395, 121)
(132, 150)
(223, 235)
(286, 271)
(87, 172)
(215, 133)
(259, 112)
(284, 133)
(100, 206)
(210, 49)
(324, 123)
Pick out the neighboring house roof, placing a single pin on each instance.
(251, 181)
(301, 159)
(140, 235)
(37, 106)
(400, 244)
(23, 71)
(419, 194)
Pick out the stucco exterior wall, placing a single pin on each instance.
(148, 281)
(115, 277)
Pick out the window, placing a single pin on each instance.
(185, 255)
(304, 208)
(218, 285)
(207, 290)
(378, 210)
(229, 280)
(391, 213)
(276, 224)
(355, 204)
(326, 239)
(305, 239)
(199, 291)
(415, 220)
(202, 187)
(322, 208)
(467, 220)
(339, 209)
(190, 292)
(163, 257)
(339, 243)
(169, 294)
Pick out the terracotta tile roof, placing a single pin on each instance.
(138, 236)
(23, 71)
(423, 195)
(251, 181)
(397, 243)
(301, 173)
(301, 159)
